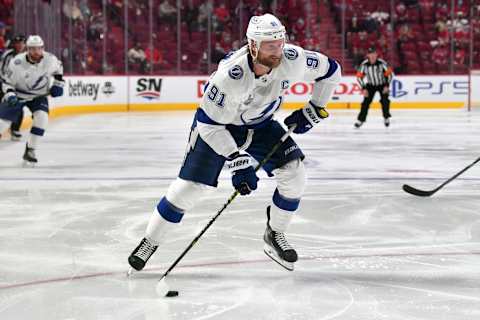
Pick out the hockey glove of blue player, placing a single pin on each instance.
(306, 118)
(244, 178)
(57, 88)
(10, 98)
(56, 91)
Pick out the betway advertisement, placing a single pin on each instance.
(185, 92)
(91, 91)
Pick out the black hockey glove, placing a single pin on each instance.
(306, 117)
(244, 178)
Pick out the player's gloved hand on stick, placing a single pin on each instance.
(56, 90)
(306, 117)
(11, 98)
(244, 178)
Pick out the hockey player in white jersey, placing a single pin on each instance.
(31, 76)
(17, 46)
(235, 124)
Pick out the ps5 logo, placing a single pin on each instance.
(397, 89)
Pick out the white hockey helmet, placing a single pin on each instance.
(266, 27)
(34, 41)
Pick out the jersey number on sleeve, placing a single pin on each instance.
(215, 96)
(312, 62)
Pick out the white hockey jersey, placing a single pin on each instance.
(235, 95)
(30, 80)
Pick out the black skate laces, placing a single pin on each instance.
(281, 241)
(145, 250)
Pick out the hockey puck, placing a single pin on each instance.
(172, 293)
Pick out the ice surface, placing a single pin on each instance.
(367, 249)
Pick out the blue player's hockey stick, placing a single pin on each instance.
(232, 197)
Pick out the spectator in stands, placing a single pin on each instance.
(354, 24)
(218, 53)
(440, 56)
(221, 17)
(95, 28)
(154, 58)
(190, 16)
(442, 12)
(115, 10)
(226, 41)
(442, 31)
(137, 57)
(203, 12)
(298, 29)
(2, 36)
(459, 57)
(167, 12)
(405, 34)
(72, 11)
(380, 16)
(401, 16)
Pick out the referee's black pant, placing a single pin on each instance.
(362, 116)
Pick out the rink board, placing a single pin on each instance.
(156, 93)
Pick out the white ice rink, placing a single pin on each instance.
(367, 249)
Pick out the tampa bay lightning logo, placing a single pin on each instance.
(290, 53)
(235, 72)
(37, 84)
(251, 117)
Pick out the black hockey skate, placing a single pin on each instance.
(358, 124)
(29, 157)
(139, 257)
(277, 247)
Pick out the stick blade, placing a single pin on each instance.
(417, 192)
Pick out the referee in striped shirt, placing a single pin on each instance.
(374, 75)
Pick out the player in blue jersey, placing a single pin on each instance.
(235, 124)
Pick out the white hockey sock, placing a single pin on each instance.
(156, 227)
(4, 125)
(280, 219)
(40, 122)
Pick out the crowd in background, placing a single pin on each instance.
(426, 34)
(415, 36)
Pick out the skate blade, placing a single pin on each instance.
(131, 272)
(273, 255)
(28, 164)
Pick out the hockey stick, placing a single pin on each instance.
(424, 193)
(230, 200)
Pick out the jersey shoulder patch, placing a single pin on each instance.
(17, 61)
(290, 53)
(235, 72)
